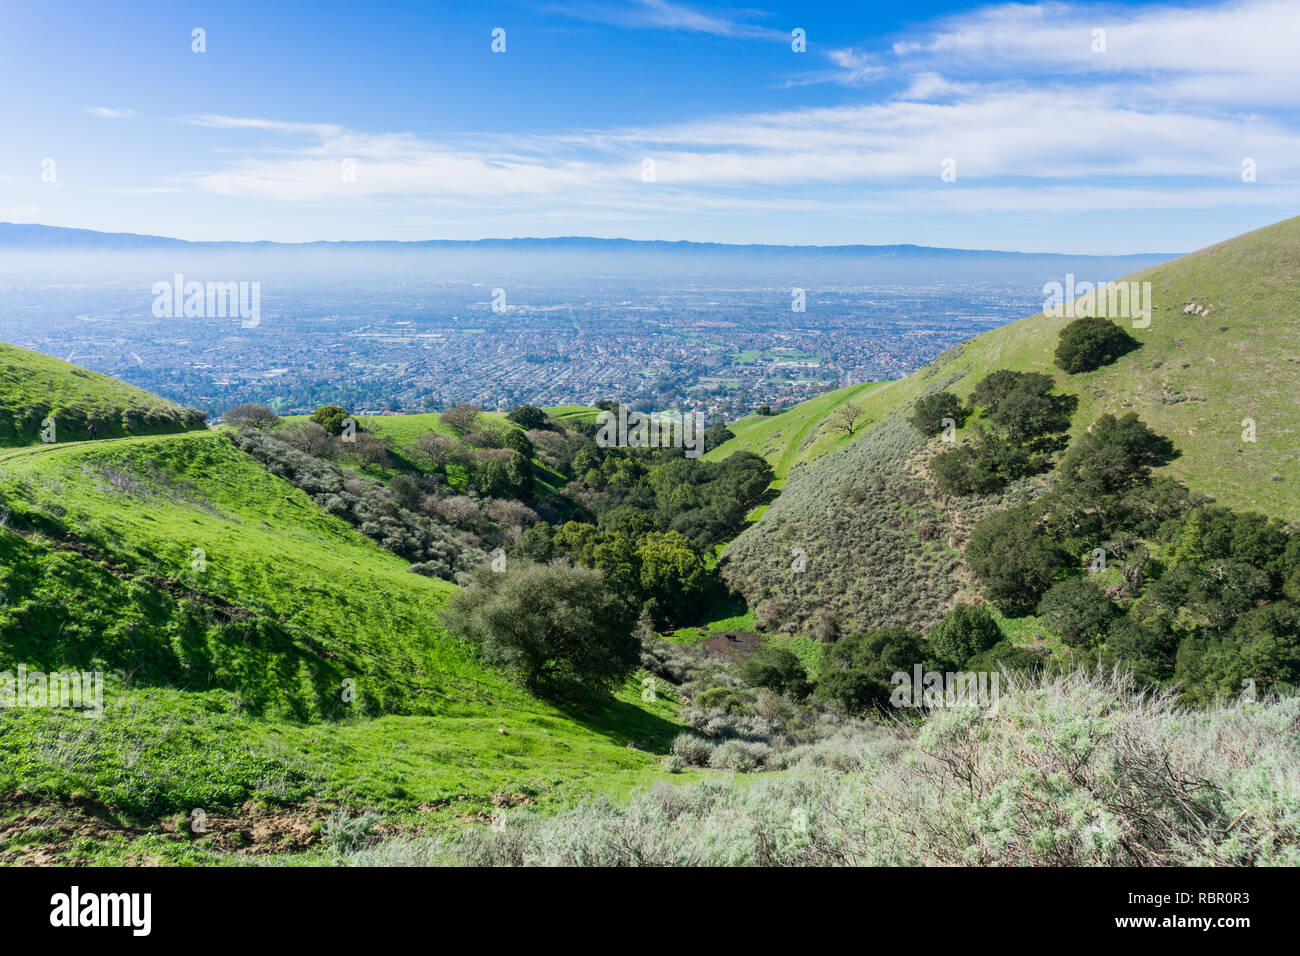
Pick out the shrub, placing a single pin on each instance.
(776, 668)
(406, 492)
(1089, 343)
(716, 435)
(370, 450)
(307, 437)
(692, 749)
(725, 699)
(438, 451)
(1004, 655)
(742, 756)
(330, 418)
(462, 417)
(249, 415)
(1078, 611)
(931, 410)
(1144, 649)
(671, 573)
(347, 834)
(546, 624)
(1072, 770)
(971, 468)
(857, 670)
(966, 631)
(512, 478)
(516, 440)
(1013, 560)
(528, 417)
(1115, 455)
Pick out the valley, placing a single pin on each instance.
(482, 636)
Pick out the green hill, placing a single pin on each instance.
(256, 648)
(795, 436)
(36, 387)
(268, 664)
(1219, 350)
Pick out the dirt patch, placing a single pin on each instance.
(505, 798)
(731, 646)
(36, 832)
(254, 829)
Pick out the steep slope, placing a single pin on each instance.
(1219, 350)
(36, 387)
(257, 647)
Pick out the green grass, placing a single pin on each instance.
(34, 387)
(1195, 378)
(806, 649)
(233, 675)
(797, 435)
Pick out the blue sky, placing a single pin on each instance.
(1061, 138)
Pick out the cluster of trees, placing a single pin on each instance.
(633, 528)
(1019, 425)
(654, 572)
(706, 501)
(857, 670)
(1104, 495)
(1135, 571)
(624, 539)
(497, 461)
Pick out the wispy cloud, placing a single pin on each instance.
(674, 17)
(214, 121)
(104, 112)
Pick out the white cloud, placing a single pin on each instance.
(929, 86)
(1049, 134)
(104, 112)
(676, 17)
(1242, 50)
(1014, 94)
(215, 121)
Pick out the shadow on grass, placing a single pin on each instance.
(620, 721)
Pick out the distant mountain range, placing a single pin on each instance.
(39, 238)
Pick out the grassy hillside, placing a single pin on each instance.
(402, 431)
(35, 387)
(797, 435)
(1195, 378)
(1219, 350)
(405, 429)
(227, 675)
